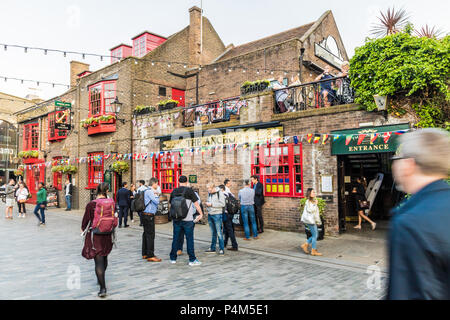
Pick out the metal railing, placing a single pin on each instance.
(316, 94)
(211, 112)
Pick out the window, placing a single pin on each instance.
(57, 177)
(167, 169)
(53, 133)
(116, 54)
(95, 169)
(279, 168)
(31, 136)
(100, 97)
(162, 91)
(139, 47)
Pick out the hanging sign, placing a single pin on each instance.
(62, 118)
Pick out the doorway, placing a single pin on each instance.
(377, 171)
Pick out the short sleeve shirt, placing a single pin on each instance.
(191, 198)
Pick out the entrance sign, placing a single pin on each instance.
(326, 183)
(63, 105)
(366, 140)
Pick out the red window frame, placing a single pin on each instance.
(101, 95)
(57, 176)
(53, 133)
(95, 170)
(280, 169)
(31, 136)
(140, 46)
(167, 169)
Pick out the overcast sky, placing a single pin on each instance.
(94, 26)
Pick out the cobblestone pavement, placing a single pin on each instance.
(39, 263)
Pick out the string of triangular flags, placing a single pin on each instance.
(310, 138)
(153, 122)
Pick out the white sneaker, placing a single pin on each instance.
(173, 261)
(195, 263)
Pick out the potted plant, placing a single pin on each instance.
(28, 154)
(263, 85)
(120, 167)
(69, 169)
(57, 169)
(322, 206)
(167, 104)
(244, 87)
(141, 109)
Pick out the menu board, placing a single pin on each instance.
(52, 198)
(163, 207)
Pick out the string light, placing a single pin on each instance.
(26, 49)
(45, 51)
(6, 47)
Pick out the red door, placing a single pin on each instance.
(33, 176)
(179, 96)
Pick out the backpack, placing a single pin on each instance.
(139, 201)
(232, 204)
(105, 220)
(178, 207)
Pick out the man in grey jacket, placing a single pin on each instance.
(215, 206)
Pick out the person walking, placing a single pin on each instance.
(247, 198)
(311, 219)
(360, 197)
(259, 202)
(41, 203)
(22, 196)
(419, 237)
(10, 196)
(68, 191)
(97, 246)
(123, 200)
(148, 222)
(185, 227)
(228, 228)
(215, 206)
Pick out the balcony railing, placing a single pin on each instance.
(211, 112)
(317, 94)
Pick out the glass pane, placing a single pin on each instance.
(296, 159)
(285, 150)
(298, 188)
(297, 149)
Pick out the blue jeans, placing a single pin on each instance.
(215, 224)
(313, 239)
(181, 228)
(249, 211)
(69, 201)
(38, 208)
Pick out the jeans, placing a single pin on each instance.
(228, 230)
(215, 224)
(259, 218)
(181, 228)
(69, 201)
(148, 237)
(249, 211)
(123, 214)
(313, 239)
(38, 208)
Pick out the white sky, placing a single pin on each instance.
(95, 26)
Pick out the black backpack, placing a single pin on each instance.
(232, 204)
(139, 201)
(178, 207)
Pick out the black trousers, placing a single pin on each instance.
(123, 214)
(228, 231)
(259, 218)
(22, 207)
(148, 237)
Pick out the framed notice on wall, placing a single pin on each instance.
(326, 183)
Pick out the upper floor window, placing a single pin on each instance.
(53, 133)
(100, 97)
(31, 136)
(116, 54)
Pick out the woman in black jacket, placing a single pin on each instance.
(360, 195)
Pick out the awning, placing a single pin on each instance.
(367, 139)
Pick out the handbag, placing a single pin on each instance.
(307, 216)
(364, 204)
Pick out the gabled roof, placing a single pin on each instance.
(121, 45)
(295, 33)
(155, 34)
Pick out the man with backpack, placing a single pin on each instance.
(215, 206)
(183, 204)
(231, 208)
(148, 221)
(140, 190)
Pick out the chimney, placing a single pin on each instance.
(195, 25)
(76, 68)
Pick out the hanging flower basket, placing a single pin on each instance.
(94, 121)
(18, 172)
(120, 167)
(28, 154)
(65, 169)
(144, 109)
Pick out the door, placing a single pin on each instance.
(179, 96)
(342, 199)
(33, 176)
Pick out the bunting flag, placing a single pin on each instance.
(373, 137)
(295, 139)
(386, 136)
(325, 138)
(348, 138)
(336, 136)
(361, 138)
(309, 137)
(316, 138)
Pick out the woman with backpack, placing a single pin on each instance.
(98, 246)
(311, 219)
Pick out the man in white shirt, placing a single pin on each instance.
(68, 189)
